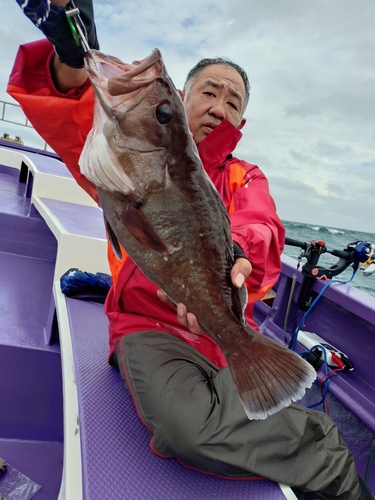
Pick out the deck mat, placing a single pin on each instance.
(118, 461)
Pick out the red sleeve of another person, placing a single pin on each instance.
(62, 120)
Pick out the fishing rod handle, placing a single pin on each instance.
(343, 254)
(295, 243)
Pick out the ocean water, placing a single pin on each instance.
(334, 238)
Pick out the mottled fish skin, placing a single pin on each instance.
(159, 203)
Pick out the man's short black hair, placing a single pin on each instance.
(203, 63)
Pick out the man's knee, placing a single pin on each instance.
(179, 412)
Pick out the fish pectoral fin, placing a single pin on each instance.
(113, 240)
(141, 229)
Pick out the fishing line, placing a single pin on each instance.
(326, 370)
(328, 373)
(326, 378)
(290, 300)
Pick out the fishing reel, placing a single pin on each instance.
(356, 253)
(366, 251)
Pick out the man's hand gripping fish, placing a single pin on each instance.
(159, 203)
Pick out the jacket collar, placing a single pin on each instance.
(220, 143)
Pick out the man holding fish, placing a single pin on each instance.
(170, 239)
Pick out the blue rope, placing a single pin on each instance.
(295, 335)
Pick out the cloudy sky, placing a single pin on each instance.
(311, 64)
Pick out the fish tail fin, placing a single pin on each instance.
(268, 376)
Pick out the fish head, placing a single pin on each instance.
(142, 109)
(139, 135)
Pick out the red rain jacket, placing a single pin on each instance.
(64, 121)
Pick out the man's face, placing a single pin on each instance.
(217, 93)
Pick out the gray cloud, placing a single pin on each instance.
(310, 120)
(355, 103)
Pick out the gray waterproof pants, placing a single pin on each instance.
(193, 412)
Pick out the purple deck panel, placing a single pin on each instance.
(31, 409)
(38, 461)
(25, 296)
(11, 172)
(78, 219)
(49, 165)
(11, 200)
(43, 163)
(117, 460)
(27, 260)
(357, 436)
(30, 395)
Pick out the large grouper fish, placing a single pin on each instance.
(160, 204)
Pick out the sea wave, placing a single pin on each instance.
(322, 229)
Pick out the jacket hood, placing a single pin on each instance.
(220, 143)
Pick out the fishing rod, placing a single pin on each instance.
(356, 253)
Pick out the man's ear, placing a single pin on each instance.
(241, 124)
(181, 94)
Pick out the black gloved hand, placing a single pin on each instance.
(51, 20)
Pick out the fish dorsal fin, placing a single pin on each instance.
(140, 228)
(113, 240)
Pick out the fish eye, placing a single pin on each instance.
(164, 113)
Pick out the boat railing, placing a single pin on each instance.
(12, 113)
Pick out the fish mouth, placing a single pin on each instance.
(118, 84)
(141, 75)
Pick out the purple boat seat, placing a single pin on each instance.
(43, 163)
(44, 175)
(116, 459)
